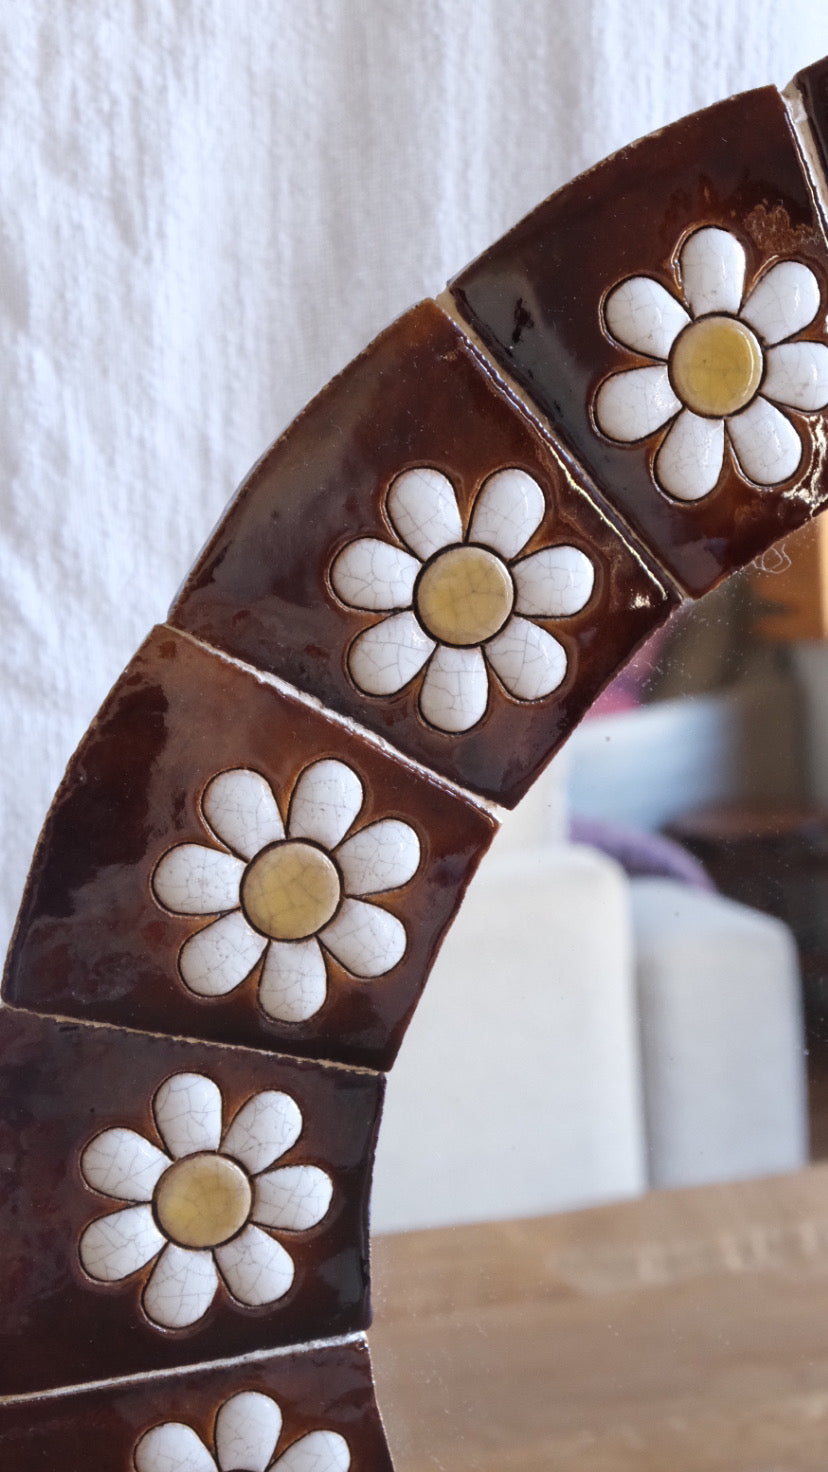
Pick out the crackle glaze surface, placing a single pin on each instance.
(93, 1281)
(246, 1433)
(288, 892)
(194, 776)
(319, 570)
(264, 1410)
(459, 604)
(727, 367)
(207, 1209)
(562, 303)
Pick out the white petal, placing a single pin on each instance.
(784, 301)
(455, 690)
(423, 508)
(187, 1110)
(554, 583)
(320, 1451)
(529, 661)
(194, 880)
(797, 375)
(644, 316)
(689, 462)
(366, 940)
(385, 657)
(240, 807)
(114, 1246)
(294, 980)
(123, 1164)
(255, 1268)
(264, 1128)
(631, 405)
(374, 575)
(247, 1429)
(217, 959)
(293, 1198)
(181, 1287)
(325, 802)
(767, 446)
(172, 1447)
(712, 271)
(382, 856)
(508, 510)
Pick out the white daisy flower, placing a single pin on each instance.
(207, 1206)
(460, 604)
(246, 1432)
(245, 1437)
(287, 894)
(723, 364)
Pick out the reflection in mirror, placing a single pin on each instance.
(601, 1243)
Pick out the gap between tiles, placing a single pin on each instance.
(255, 1356)
(175, 1037)
(646, 558)
(312, 702)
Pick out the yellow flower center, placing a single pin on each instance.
(290, 890)
(464, 596)
(716, 366)
(202, 1200)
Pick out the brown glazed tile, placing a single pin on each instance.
(321, 1390)
(813, 84)
(94, 941)
(101, 1274)
(537, 298)
(417, 399)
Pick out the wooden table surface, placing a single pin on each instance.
(684, 1332)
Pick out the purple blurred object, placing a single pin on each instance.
(640, 853)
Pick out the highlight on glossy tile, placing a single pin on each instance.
(680, 354)
(461, 601)
(263, 876)
(729, 365)
(447, 581)
(290, 893)
(203, 1211)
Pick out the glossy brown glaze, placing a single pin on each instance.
(417, 397)
(61, 1083)
(92, 941)
(319, 1389)
(536, 298)
(813, 84)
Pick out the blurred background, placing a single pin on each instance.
(205, 211)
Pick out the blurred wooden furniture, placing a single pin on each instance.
(686, 1331)
(791, 584)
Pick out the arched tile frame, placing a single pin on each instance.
(498, 382)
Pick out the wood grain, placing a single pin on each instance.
(684, 1332)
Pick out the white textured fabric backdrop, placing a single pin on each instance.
(207, 209)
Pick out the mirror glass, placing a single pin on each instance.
(601, 1234)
